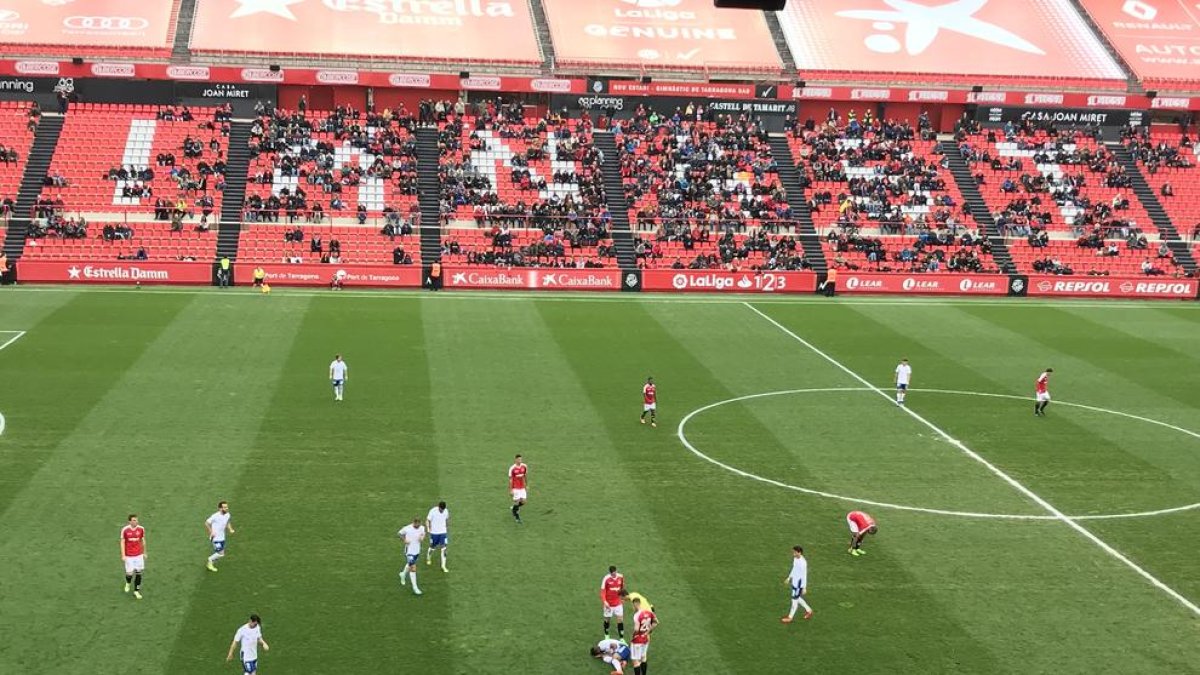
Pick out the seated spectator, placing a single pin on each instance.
(1149, 269)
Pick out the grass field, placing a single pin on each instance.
(162, 403)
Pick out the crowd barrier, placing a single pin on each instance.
(143, 272)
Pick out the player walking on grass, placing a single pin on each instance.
(1042, 393)
(217, 525)
(133, 554)
(517, 482)
(612, 592)
(338, 374)
(437, 522)
(650, 402)
(861, 525)
(412, 535)
(797, 580)
(903, 379)
(246, 640)
(644, 623)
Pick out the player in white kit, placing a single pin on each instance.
(338, 372)
(797, 580)
(216, 526)
(613, 652)
(412, 535)
(248, 638)
(903, 379)
(438, 522)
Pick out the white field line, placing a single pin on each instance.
(16, 335)
(1016, 485)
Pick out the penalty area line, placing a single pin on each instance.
(16, 335)
(999, 473)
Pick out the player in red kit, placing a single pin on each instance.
(133, 554)
(650, 402)
(612, 596)
(861, 524)
(516, 484)
(644, 623)
(1042, 393)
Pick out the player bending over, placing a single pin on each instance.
(903, 379)
(797, 580)
(517, 486)
(1042, 393)
(216, 525)
(650, 402)
(438, 522)
(613, 652)
(861, 525)
(412, 535)
(248, 638)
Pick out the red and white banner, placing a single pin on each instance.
(127, 272)
(95, 23)
(923, 284)
(696, 89)
(1159, 39)
(447, 30)
(720, 281)
(672, 33)
(360, 276)
(988, 38)
(547, 279)
(1113, 287)
(1046, 99)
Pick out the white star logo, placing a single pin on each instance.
(923, 23)
(73, 272)
(277, 7)
(459, 278)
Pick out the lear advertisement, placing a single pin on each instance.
(1159, 39)
(95, 23)
(548, 279)
(452, 30)
(362, 276)
(680, 33)
(923, 284)
(131, 272)
(990, 38)
(1114, 287)
(720, 281)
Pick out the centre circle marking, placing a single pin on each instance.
(679, 432)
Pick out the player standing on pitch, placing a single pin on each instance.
(412, 535)
(246, 642)
(644, 623)
(216, 526)
(1042, 393)
(133, 554)
(438, 524)
(517, 486)
(797, 580)
(861, 525)
(612, 592)
(903, 379)
(338, 372)
(650, 402)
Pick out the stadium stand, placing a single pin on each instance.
(328, 243)
(1170, 161)
(17, 122)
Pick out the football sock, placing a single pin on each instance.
(129, 578)
(213, 557)
(137, 581)
(802, 603)
(606, 625)
(620, 630)
(413, 576)
(443, 558)
(402, 573)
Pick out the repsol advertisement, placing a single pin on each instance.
(1060, 117)
(772, 112)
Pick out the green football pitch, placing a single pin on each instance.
(1007, 542)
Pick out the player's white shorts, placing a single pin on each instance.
(618, 611)
(1043, 396)
(135, 563)
(649, 406)
(637, 651)
(519, 494)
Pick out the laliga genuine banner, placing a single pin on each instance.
(92, 23)
(1114, 287)
(721, 281)
(923, 284)
(678, 33)
(361, 276)
(117, 272)
(1159, 39)
(996, 38)
(451, 30)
